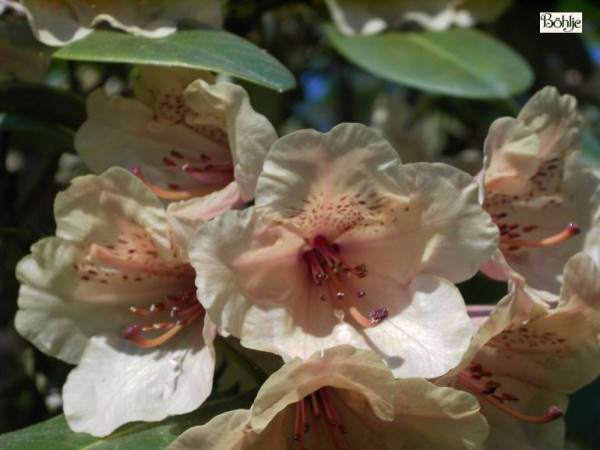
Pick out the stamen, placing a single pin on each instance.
(178, 195)
(571, 230)
(353, 310)
(133, 334)
(189, 311)
(334, 430)
(210, 174)
(326, 268)
(553, 412)
(471, 380)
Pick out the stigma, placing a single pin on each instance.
(176, 312)
(212, 176)
(333, 277)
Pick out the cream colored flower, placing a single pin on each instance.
(184, 136)
(543, 200)
(59, 22)
(347, 246)
(527, 357)
(344, 398)
(113, 294)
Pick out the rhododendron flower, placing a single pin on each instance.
(112, 294)
(543, 201)
(361, 17)
(347, 246)
(203, 141)
(526, 357)
(59, 22)
(344, 398)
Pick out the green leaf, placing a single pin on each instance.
(54, 434)
(459, 62)
(42, 102)
(213, 50)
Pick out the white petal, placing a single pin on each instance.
(118, 382)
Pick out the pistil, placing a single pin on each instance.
(332, 276)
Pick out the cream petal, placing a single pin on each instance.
(61, 291)
(250, 134)
(441, 222)
(226, 431)
(187, 217)
(115, 210)
(331, 183)
(136, 139)
(420, 337)
(542, 205)
(349, 186)
(122, 382)
(558, 350)
(114, 252)
(428, 416)
(511, 151)
(255, 284)
(152, 84)
(358, 386)
(425, 335)
(545, 216)
(234, 256)
(555, 120)
(341, 367)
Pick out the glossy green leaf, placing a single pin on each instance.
(459, 62)
(213, 50)
(54, 434)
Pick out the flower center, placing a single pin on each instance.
(212, 174)
(333, 277)
(309, 412)
(511, 234)
(478, 381)
(167, 319)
